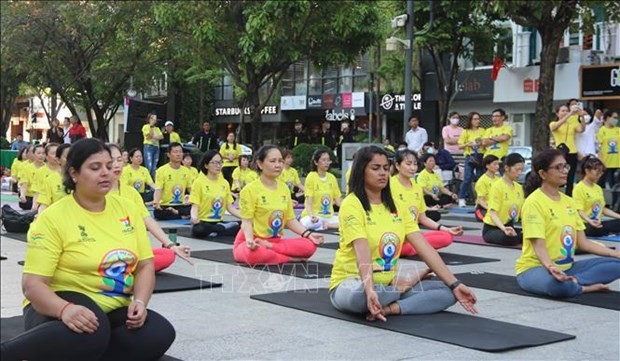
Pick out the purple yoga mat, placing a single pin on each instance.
(475, 239)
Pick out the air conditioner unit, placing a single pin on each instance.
(591, 57)
(563, 55)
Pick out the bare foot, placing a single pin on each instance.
(599, 287)
(391, 309)
(404, 284)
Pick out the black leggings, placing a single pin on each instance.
(49, 339)
(164, 214)
(26, 206)
(494, 235)
(571, 159)
(204, 229)
(611, 226)
(227, 173)
(443, 200)
(480, 212)
(147, 196)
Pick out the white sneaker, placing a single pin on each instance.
(462, 203)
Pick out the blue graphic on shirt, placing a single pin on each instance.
(435, 189)
(217, 206)
(116, 269)
(276, 223)
(567, 240)
(388, 250)
(326, 203)
(137, 185)
(177, 194)
(596, 210)
(514, 213)
(613, 147)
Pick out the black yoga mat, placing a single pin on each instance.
(454, 328)
(13, 326)
(187, 232)
(17, 236)
(168, 282)
(508, 284)
(309, 269)
(459, 217)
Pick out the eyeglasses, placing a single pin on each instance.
(561, 167)
(215, 163)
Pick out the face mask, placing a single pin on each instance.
(430, 150)
(587, 118)
(454, 121)
(614, 122)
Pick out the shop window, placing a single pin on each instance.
(329, 86)
(314, 82)
(361, 66)
(346, 84)
(360, 84)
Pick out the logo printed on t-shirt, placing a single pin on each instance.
(514, 212)
(177, 194)
(276, 221)
(326, 201)
(388, 249)
(127, 227)
(612, 147)
(596, 210)
(414, 212)
(217, 207)
(137, 184)
(116, 268)
(567, 241)
(84, 236)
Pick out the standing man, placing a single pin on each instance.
(325, 137)
(299, 136)
(497, 138)
(19, 142)
(416, 136)
(205, 139)
(174, 137)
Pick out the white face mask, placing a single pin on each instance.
(454, 121)
(614, 122)
(430, 150)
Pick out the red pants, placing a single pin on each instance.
(163, 258)
(437, 240)
(281, 252)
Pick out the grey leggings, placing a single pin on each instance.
(424, 298)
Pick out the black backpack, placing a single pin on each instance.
(14, 221)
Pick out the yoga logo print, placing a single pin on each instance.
(596, 210)
(325, 203)
(414, 212)
(568, 245)
(276, 222)
(177, 194)
(217, 207)
(115, 269)
(388, 249)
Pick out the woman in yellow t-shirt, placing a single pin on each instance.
(89, 271)
(609, 137)
(137, 176)
(230, 151)
(16, 167)
(266, 208)
(210, 198)
(407, 192)
(52, 190)
(152, 135)
(242, 175)
(505, 202)
(187, 163)
(470, 143)
(483, 185)
(31, 173)
(290, 177)
(322, 193)
(553, 230)
(435, 193)
(563, 128)
(591, 202)
(373, 229)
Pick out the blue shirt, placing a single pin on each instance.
(18, 145)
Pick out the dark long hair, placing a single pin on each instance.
(206, 158)
(23, 151)
(401, 155)
(468, 122)
(357, 182)
(542, 161)
(590, 161)
(78, 154)
(234, 141)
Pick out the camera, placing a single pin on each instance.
(399, 21)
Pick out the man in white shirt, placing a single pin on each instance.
(416, 136)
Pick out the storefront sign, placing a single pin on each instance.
(270, 109)
(358, 100)
(315, 102)
(600, 81)
(396, 103)
(471, 85)
(531, 85)
(334, 116)
(521, 84)
(295, 102)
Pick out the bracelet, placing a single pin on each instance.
(455, 284)
(171, 244)
(438, 226)
(62, 310)
(306, 233)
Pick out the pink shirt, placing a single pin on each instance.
(452, 133)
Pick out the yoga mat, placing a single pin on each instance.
(311, 270)
(461, 210)
(477, 240)
(508, 284)
(182, 222)
(454, 328)
(187, 232)
(615, 238)
(13, 326)
(168, 282)
(465, 228)
(458, 218)
(17, 236)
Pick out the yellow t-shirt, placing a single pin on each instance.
(608, 139)
(468, 136)
(175, 137)
(500, 150)
(94, 253)
(347, 175)
(251, 177)
(146, 128)
(173, 183)
(410, 198)
(430, 182)
(52, 189)
(290, 177)
(506, 201)
(483, 186)
(33, 176)
(385, 232)
(323, 192)
(557, 222)
(132, 195)
(590, 200)
(193, 172)
(236, 152)
(565, 133)
(16, 168)
(242, 176)
(136, 178)
(211, 197)
(269, 209)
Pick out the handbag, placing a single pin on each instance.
(562, 147)
(14, 221)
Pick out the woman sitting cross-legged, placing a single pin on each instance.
(137, 176)
(505, 202)
(552, 231)
(373, 229)
(210, 198)
(409, 194)
(266, 208)
(89, 276)
(435, 193)
(591, 201)
(483, 185)
(322, 192)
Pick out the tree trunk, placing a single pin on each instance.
(253, 102)
(201, 106)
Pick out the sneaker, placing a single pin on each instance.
(462, 203)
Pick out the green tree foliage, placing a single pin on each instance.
(256, 41)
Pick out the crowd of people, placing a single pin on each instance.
(89, 267)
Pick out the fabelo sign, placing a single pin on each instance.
(334, 116)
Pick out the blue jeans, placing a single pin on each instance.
(151, 157)
(588, 272)
(470, 173)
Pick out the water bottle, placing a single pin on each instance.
(172, 235)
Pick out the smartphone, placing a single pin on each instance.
(579, 105)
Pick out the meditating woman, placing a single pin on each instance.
(88, 275)
(290, 177)
(210, 198)
(409, 195)
(137, 176)
(266, 208)
(483, 185)
(435, 193)
(16, 167)
(164, 256)
(187, 163)
(373, 229)
(242, 175)
(322, 193)
(30, 178)
(505, 202)
(553, 230)
(591, 202)
(52, 190)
